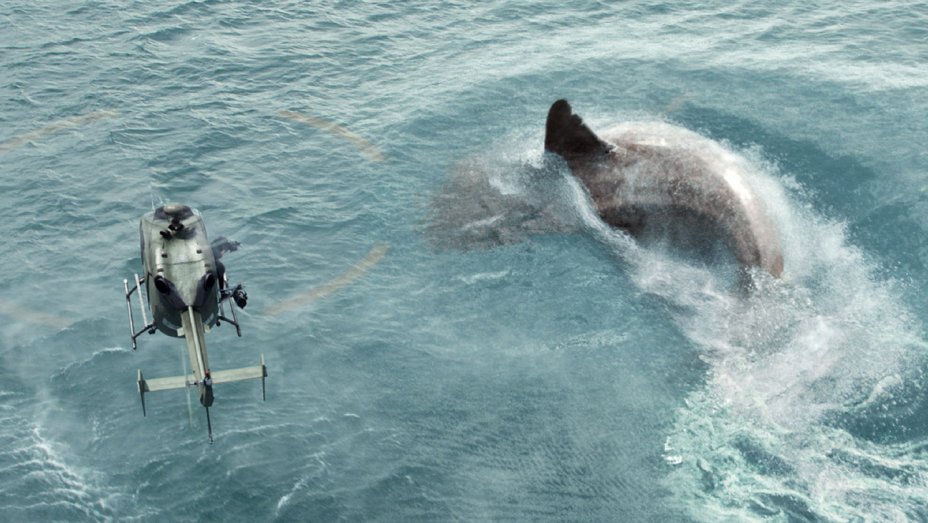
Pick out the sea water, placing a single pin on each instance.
(554, 370)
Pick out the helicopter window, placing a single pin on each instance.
(173, 210)
(162, 285)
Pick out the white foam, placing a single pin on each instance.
(831, 338)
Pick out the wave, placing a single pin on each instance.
(39, 481)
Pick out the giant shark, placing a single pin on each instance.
(660, 180)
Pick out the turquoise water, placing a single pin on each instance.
(566, 374)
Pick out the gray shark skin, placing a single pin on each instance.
(671, 182)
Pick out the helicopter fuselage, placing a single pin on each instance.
(180, 269)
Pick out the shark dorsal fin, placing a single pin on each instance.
(568, 136)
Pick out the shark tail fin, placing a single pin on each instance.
(568, 136)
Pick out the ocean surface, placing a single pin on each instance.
(438, 348)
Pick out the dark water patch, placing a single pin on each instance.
(836, 182)
(895, 230)
(897, 415)
(792, 507)
(899, 474)
(764, 460)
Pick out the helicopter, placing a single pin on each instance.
(188, 291)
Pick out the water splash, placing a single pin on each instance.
(794, 367)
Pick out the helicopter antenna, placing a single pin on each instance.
(209, 426)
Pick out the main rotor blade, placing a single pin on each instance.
(54, 127)
(366, 147)
(373, 257)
